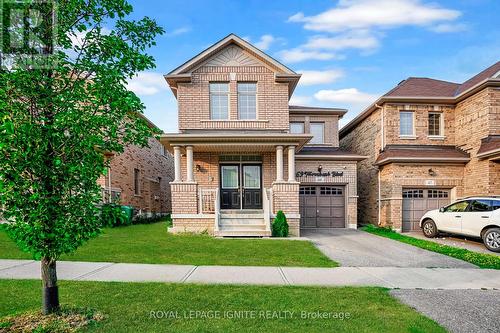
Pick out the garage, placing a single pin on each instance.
(322, 206)
(416, 202)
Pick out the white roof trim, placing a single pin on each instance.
(225, 41)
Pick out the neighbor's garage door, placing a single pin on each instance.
(416, 202)
(322, 206)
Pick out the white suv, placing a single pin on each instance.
(473, 216)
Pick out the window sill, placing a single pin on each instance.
(234, 120)
(436, 137)
(408, 137)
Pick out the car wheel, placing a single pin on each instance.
(491, 239)
(429, 229)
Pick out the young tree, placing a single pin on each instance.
(58, 118)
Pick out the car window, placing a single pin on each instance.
(480, 206)
(495, 204)
(457, 207)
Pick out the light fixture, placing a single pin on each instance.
(198, 168)
(320, 167)
(432, 172)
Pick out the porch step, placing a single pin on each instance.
(241, 211)
(241, 220)
(243, 233)
(240, 226)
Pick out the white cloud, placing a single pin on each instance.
(265, 42)
(366, 14)
(347, 41)
(300, 100)
(310, 78)
(178, 31)
(147, 83)
(449, 27)
(348, 96)
(298, 55)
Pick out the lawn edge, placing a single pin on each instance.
(482, 260)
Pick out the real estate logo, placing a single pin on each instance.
(28, 33)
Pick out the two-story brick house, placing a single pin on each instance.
(242, 153)
(429, 142)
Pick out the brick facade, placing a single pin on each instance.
(155, 172)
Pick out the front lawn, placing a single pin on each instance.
(142, 307)
(479, 259)
(151, 244)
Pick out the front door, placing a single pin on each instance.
(241, 186)
(230, 187)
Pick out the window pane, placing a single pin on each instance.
(219, 101)
(317, 132)
(251, 176)
(297, 128)
(434, 123)
(480, 206)
(406, 123)
(495, 204)
(458, 207)
(230, 176)
(247, 101)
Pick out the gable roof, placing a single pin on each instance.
(426, 90)
(218, 46)
(182, 73)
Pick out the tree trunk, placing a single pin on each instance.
(50, 296)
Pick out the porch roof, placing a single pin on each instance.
(234, 142)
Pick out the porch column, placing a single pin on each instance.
(291, 164)
(177, 164)
(190, 164)
(279, 163)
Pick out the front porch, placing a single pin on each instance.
(234, 188)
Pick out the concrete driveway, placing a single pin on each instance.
(357, 248)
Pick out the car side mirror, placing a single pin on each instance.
(441, 210)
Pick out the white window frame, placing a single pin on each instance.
(302, 126)
(407, 136)
(314, 136)
(245, 93)
(215, 93)
(441, 126)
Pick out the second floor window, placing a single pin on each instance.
(296, 128)
(435, 124)
(219, 101)
(247, 100)
(406, 124)
(317, 130)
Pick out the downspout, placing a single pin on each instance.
(109, 183)
(382, 143)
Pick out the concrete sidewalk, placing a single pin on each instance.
(390, 277)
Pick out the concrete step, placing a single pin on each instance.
(242, 211)
(258, 220)
(241, 216)
(242, 233)
(242, 226)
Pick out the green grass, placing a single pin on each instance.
(479, 259)
(128, 307)
(151, 244)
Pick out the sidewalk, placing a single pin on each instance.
(390, 277)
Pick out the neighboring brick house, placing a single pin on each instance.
(242, 153)
(140, 178)
(429, 142)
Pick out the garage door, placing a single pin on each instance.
(416, 202)
(322, 206)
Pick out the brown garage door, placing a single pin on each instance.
(322, 206)
(416, 202)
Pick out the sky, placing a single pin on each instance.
(349, 52)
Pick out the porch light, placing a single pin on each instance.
(198, 168)
(432, 172)
(320, 167)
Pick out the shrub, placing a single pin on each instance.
(148, 219)
(280, 225)
(112, 215)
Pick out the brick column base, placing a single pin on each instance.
(286, 199)
(184, 198)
